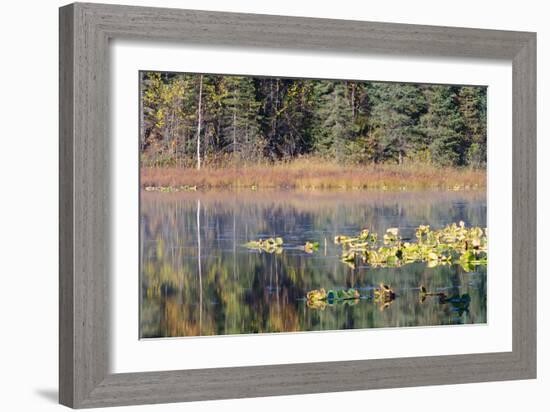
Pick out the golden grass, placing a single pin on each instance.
(314, 174)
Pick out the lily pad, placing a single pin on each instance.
(454, 244)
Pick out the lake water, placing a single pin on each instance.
(198, 279)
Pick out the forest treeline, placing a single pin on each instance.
(189, 120)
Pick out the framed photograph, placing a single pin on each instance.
(256, 205)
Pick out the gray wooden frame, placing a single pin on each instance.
(85, 31)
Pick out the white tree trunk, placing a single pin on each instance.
(234, 131)
(199, 127)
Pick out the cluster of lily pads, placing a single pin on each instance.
(383, 295)
(320, 298)
(275, 245)
(454, 244)
(271, 245)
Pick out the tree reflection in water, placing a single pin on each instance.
(198, 279)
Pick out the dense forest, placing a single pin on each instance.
(189, 120)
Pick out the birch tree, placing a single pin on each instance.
(199, 125)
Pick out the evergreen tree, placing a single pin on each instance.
(394, 118)
(250, 119)
(472, 106)
(240, 126)
(443, 127)
(334, 120)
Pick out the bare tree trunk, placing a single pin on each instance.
(247, 148)
(199, 127)
(184, 144)
(172, 134)
(177, 141)
(353, 100)
(141, 113)
(234, 130)
(275, 112)
(272, 113)
(401, 149)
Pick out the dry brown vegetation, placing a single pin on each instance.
(311, 174)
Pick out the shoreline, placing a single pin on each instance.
(312, 176)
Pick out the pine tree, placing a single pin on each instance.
(394, 118)
(240, 125)
(334, 128)
(443, 127)
(251, 119)
(472, 106)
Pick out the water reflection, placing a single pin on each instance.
(198, 279)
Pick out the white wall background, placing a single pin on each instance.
(28, 203)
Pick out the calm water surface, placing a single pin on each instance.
(198, 279)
